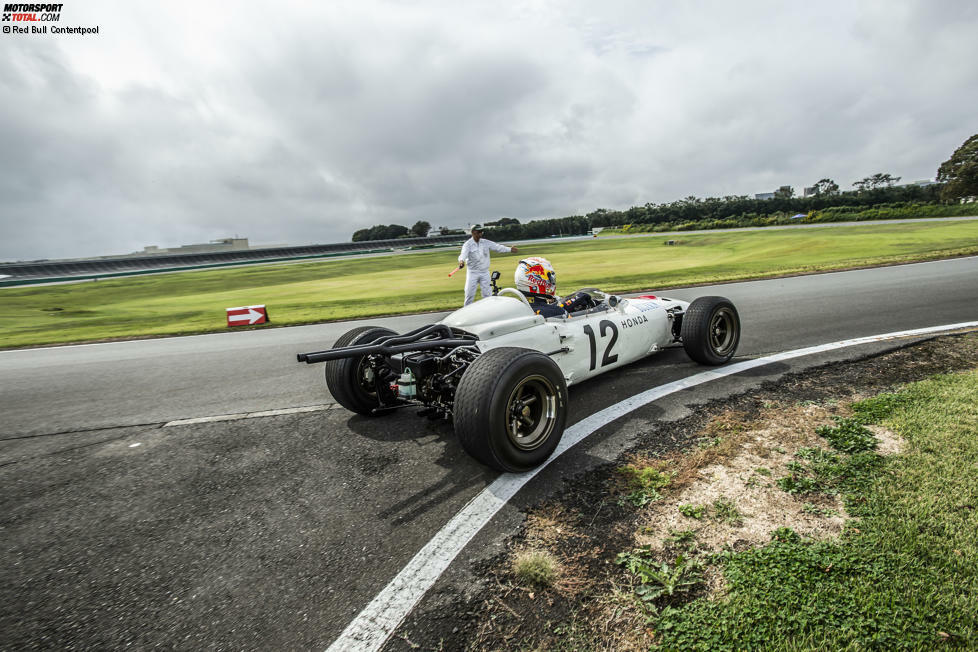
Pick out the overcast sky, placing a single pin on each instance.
(301, 122)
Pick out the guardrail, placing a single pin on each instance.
(92, 269)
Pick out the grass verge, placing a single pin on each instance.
(194, 302)
(904, 575)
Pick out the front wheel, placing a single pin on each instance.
(511, 408)
(711, 330)
(354, 383)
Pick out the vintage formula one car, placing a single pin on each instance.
(501, 372)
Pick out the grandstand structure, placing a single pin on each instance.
(52, 271)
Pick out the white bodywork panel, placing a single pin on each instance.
(582, 345)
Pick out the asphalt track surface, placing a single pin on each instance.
(274, 532)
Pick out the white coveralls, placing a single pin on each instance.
(475, 255)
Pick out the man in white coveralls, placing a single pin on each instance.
(475, 258)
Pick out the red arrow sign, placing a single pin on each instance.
(247, 315)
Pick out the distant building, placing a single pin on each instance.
(809, 191)
(223, 244)
(764, 195)
(444, 230)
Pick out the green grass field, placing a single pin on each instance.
(194, 302)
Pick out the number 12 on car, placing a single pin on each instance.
(608, 358)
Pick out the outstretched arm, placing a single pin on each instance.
(502, 248)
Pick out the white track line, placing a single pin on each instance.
(249, 415)
(378, 620)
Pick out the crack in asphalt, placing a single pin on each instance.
(83, 430)
(169, 423)
(64, 450)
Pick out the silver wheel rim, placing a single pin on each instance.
(723, 331)
(365, 377)
(531, 412)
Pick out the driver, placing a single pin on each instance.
(536, 279)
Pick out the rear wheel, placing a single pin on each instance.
(511, 408)
(711, 330)
(353, 382)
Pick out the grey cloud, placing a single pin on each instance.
(359, 114)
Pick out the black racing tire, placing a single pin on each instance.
(711, 330)
(346, 379)
(511, 408)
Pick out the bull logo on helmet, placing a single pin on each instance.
(536, 275)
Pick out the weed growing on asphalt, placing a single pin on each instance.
(661, 579)
(756, 478)
(797, 484)
(832, 472)
(785, 535)
(535, 568)
(795, 467)
(571, 635)
(681, 538)
(809, 453)
(644, 483)
(711, 442)
(726, 512)
(693, 511)
(848, 435)
(752, 481)
(815, 510)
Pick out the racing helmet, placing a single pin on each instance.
(535, 275)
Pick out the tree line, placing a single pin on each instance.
(695, 209)
(957, 178)
(393, 232)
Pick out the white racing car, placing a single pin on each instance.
(501, 372)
